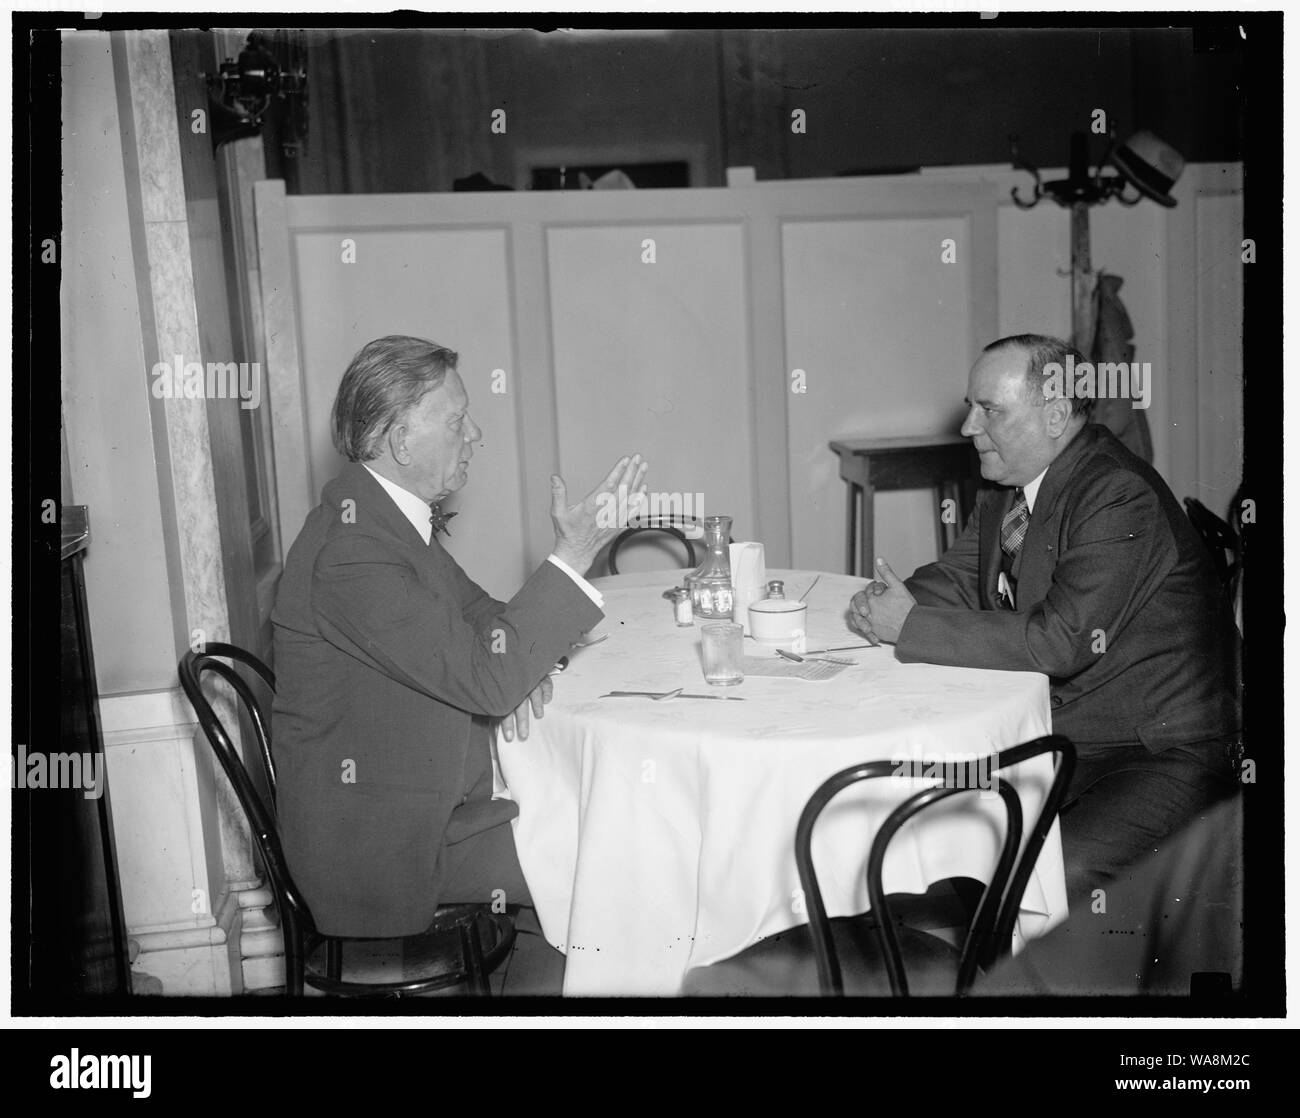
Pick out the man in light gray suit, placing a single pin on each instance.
(392, 665)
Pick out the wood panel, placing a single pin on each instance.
(653, 356)
(880, 327)
(451, 286)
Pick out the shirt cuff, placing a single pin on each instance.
(581, 582)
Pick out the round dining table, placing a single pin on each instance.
(657, 835)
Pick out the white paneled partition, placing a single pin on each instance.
(444, 284)
(656, 357)
(668, 322)
(879, 316)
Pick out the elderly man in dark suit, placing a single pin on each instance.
(1081, 565)
(393, 665)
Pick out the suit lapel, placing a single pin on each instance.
(375, 509)
(431, 560)
(1037, 560)
(991, 546)
(1058, 473)
(371, 504)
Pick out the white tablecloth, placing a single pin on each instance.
(659, 836)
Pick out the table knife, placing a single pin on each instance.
(660, 694)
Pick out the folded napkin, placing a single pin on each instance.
(786, 669)
(748, 579)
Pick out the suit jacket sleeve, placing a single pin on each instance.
(477, 605)
(953, 580)
(367, 600)
(1113, 558)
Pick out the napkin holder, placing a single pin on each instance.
(748, 579)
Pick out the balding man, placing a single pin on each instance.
(1081, 565)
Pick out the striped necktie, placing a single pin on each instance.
(1014, 526)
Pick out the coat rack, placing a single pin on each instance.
(1146, 165)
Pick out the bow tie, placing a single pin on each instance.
(439, 519)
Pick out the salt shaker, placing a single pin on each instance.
(682, 612)
(776, 589)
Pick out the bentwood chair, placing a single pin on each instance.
(1224, 543)
(686, 529)
(462, 946)
(1220, 540)
(874, 954)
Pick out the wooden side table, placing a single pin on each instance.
(946, 463)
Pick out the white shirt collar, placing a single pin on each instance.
(418, 513)
(1031, 491)
(416, 509)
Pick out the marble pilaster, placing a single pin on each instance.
(150, 128)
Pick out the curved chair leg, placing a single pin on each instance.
(478, 976)
(294, 963)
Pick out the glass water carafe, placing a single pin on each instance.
(710, 582)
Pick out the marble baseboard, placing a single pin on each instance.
(199, 931)
(165, 829)
(198, 962)
(180, 910)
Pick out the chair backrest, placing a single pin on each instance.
(1220, 540)
(198, 663)
(1237, 589)
(673, 525)
(261, 819)
(991, 929)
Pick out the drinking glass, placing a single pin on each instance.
(722, 653)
